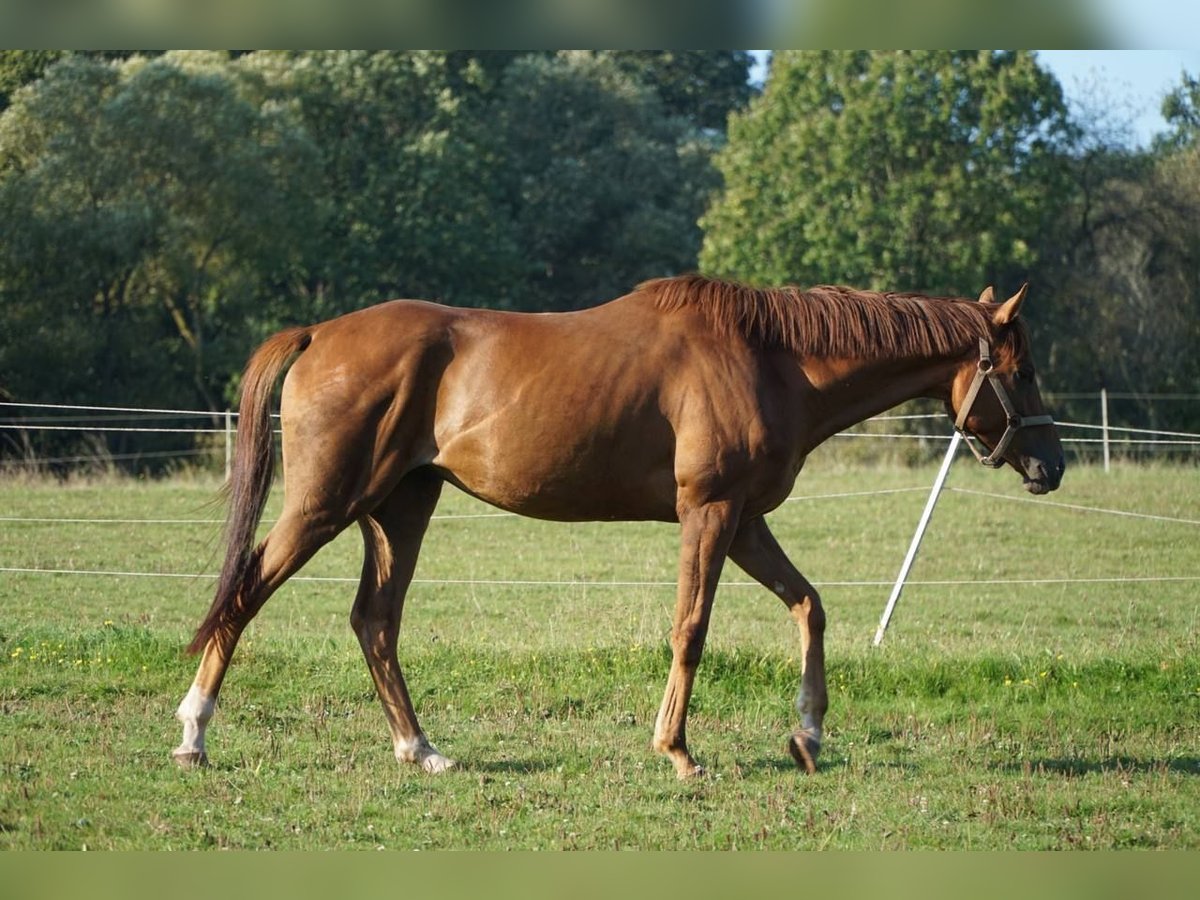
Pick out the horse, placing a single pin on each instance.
(689, 400)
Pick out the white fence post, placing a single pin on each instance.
(228, 443)
(1104, 423)
(934, 493)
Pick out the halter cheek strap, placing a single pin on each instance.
(1015, 421)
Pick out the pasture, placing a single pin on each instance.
(1025, 696)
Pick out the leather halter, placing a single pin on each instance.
(1015, 422)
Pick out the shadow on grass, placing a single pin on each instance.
(1114, 765)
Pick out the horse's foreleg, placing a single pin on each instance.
(392, 536)
(288, 546)
(756, 551)
(706, 531)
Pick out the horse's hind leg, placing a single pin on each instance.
(755, 550)
(704, 536)
(290, 543)
(392, 535)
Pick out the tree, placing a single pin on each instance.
(923, 170)
(147, 205)
(1119, 269)
(409, 194)
(20, 67)
(602, 189)
(700, 86)
(530, 181)
(1124, 279)
(1181, 109)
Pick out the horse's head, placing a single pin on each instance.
(994, 398)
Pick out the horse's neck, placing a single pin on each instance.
(848, 391)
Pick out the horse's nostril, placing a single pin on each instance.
(1049, 474)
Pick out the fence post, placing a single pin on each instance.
(1104, 423)
(228, 443)
(905, 566)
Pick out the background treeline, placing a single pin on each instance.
(161, 213)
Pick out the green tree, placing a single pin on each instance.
(531, 181)
(602, 188)
(701, 86)
(922, 170)
(1181, 109)
(1119, 269)
(148, 209)
(20, 67)
(409, 193)
(1123, 273)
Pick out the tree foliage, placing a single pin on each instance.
(1118, 268)
(408, 195)
(159, 214)
(1122, 277)
(1181, 110)
(125, 189)
(20, 67)
(926, 170)
(602, 188)
(701, 86)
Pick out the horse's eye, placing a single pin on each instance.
(1024, 374)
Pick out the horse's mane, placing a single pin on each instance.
(829, 321)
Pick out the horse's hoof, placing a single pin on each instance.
(804, 749)
(435, 763)
(692, 772)
(190, 759)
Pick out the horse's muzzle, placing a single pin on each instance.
(1042, 477)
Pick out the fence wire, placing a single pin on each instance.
(585, 583)
(126, 423)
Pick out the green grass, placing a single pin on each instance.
(1050, 715)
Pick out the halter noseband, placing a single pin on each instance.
(1016, 421)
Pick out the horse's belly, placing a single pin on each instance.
(584, 488)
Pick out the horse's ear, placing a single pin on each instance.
(1011, 308)
(987, 296)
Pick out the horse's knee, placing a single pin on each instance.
(372, 630)
(688, 644)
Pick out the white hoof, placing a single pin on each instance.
(424, 754)
(435, 763)
(187, 758)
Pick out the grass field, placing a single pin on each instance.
(1047, 714)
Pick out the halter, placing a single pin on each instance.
(1016, 421)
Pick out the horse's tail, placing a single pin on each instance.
(249, 479)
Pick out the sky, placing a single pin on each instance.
(1130, 82)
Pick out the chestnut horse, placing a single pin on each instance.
(689, 400)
